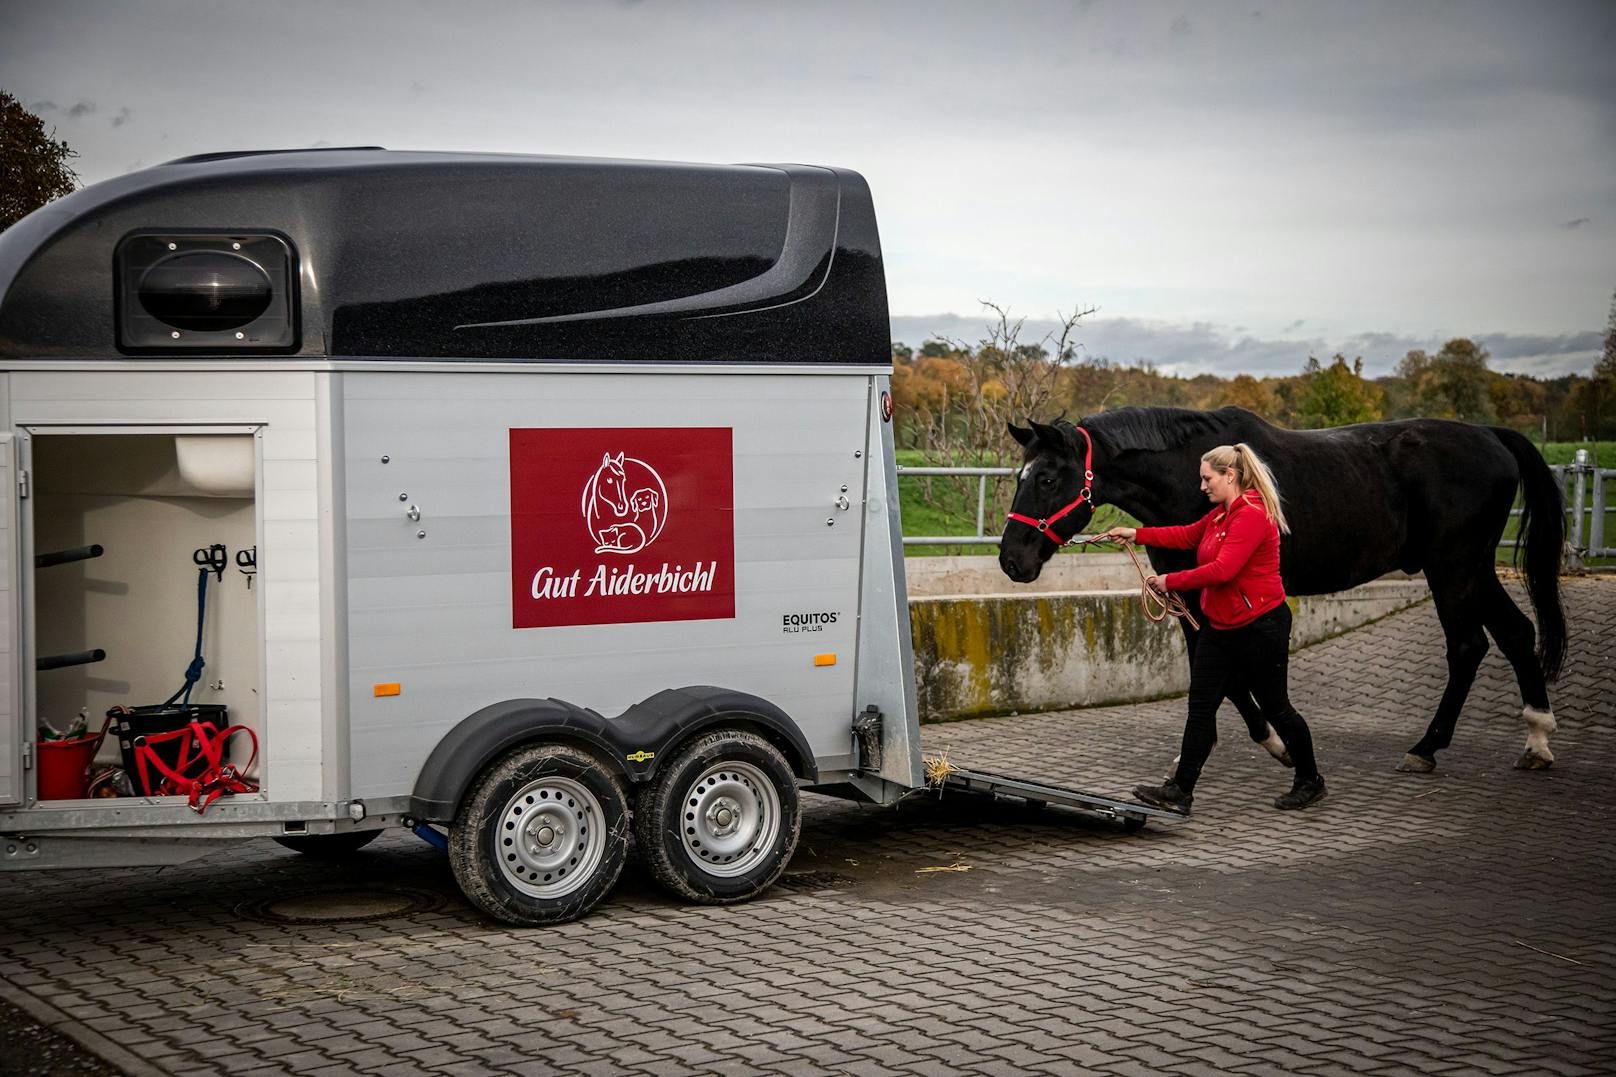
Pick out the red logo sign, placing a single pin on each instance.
(621, 525)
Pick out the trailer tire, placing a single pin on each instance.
(720, 821)
(541, 836)
(329, 846)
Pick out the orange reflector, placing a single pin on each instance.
(824, 660)
(387, 689)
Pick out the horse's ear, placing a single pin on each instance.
(605, 459)
(1050, 435)
(619, 461)
(1024, 437)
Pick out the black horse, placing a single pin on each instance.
(1416, 494)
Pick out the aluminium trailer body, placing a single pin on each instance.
(559, 497)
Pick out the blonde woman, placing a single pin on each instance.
(1247, 639)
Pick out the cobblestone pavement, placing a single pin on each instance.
(1449, 923)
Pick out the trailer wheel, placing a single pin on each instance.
(719, 823)
(541, 837)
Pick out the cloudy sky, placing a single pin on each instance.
(1233, 185)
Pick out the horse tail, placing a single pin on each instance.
(1541, 540)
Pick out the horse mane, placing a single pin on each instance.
(1154, 429)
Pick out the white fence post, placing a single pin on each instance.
(1578, 474)
(1596, 525)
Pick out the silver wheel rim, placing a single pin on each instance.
(729, 819)
(550, 839)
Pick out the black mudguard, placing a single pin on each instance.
(634, 743)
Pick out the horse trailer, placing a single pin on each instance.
(546, 506)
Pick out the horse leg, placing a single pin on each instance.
(1258, 727)
(1245, 704)
(1459, 608)
(1517, 638)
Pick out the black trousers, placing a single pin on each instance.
(1253, 656)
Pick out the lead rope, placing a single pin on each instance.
(1157, 606)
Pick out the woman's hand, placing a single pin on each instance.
(1125, 534)
(1155, 584)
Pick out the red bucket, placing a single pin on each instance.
(64, 767)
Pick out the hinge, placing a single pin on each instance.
(27, 755)
(867, 735)
(22, 482)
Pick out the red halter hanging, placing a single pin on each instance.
(1044, 526)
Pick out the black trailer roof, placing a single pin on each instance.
(478, 256)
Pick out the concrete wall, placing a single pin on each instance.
(978, 654)
(930, 577)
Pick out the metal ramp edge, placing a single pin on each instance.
(1131, 814)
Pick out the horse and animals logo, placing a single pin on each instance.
(625, 505)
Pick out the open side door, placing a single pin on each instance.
(14, 739)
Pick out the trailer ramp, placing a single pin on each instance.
(1130, 814)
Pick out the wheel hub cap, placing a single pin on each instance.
(550, 839)
(731, 819)
(724, 817)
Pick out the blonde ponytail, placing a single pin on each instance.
(1252, 474)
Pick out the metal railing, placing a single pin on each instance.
(1582, 484)
(1583, 487)
(981, 538)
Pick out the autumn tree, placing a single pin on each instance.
(1517, 401)
(1010, 379)
(1245, 391)
(966, 394)
(1601, 390)
(1452, 384)
(928, 395)
(33, 163)
(1336, 395)
(1605, 366)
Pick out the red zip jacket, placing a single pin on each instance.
(1238, 561)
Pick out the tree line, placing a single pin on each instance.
(951, 400)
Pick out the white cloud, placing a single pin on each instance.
(1202, 347)
(1376, 164)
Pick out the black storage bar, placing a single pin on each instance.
(63, 557)
(78, 658)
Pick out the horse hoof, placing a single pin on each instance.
(1530, 760)
(1416, 764)
(1285, 760)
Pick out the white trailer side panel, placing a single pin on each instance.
(284, 405)
(434, 614)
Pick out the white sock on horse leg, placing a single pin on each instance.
(1273, 745)
(1539, 724)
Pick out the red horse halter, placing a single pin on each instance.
(1044, 526)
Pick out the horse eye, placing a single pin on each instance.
(1045, 480)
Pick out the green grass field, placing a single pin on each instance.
(1602, 454)
(944, 505)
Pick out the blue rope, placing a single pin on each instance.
(193, 672)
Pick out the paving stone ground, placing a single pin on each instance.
(1458, 922)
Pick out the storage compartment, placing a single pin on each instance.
(155, 504)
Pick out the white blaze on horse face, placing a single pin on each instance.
(1539, 724)
(1026, 469)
